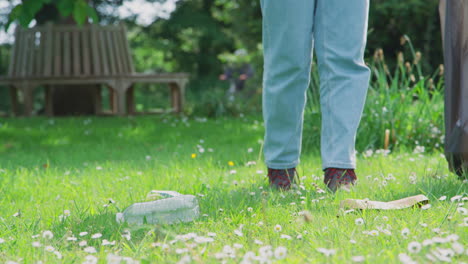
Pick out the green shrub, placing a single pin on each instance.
(404, 103)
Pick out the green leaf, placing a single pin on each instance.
(65, 7)
(31, 7)
(80, 12)
(92, 14)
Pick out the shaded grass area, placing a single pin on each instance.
(48, 166)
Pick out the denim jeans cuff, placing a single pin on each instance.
(339, 165)
(279, 166)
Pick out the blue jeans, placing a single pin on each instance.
(291, 28)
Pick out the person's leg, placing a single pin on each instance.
(340, 38)
(287, 45)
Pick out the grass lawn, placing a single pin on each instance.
(58, 176)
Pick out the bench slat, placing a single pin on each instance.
(14, 55)
(103, 51)
(76, 53)
(57, 48)
(112, 52)
(85, 44)
(23, 56)
(48, 59)
(118, 53)
(95, 51)
(40, 53)
(66, 53)
(127, 55)
(31, 54)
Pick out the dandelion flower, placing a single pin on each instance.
(47, 234)
(359, 221)
(414, 247)
(230, 163)
(278, 228)
(194, 155)
(280, 252)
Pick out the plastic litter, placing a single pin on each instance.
(165, 207)
(413, 201)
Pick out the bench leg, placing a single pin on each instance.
(14, 100)
(98, 100)
(28, 97)
(131, 100)
(49, 102)
(120, 102)
(176, 96)
(112, 100)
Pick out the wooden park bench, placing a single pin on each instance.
(80, 55)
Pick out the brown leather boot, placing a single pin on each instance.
(339, 179)
(281, 178)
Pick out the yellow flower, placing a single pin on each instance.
(194, 155)
(230, 163)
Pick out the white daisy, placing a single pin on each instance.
(47, 234)
(405, 232)
(280, 252)
(97, 235)
(414, 247)
(358, 259)
(49, 249)
(359, 221)
(278, 228)
(327, 252)
(89, 250)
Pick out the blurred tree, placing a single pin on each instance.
(199, 30)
